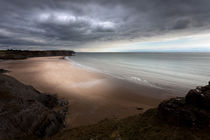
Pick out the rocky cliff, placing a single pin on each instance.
(25, 111)
(23, 54)
(191, 111)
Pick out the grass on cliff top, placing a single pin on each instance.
(139, 127)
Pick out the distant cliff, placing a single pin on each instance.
(23, 54)
(25, 111)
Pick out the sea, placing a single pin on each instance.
(179, 71)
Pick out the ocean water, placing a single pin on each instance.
(179, 71)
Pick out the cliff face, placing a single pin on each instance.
(25, 111)
(18, 54)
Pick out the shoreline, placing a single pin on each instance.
(92, 96)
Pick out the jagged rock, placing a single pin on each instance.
(170, 109)
(49, 101)
(199, 97)
(3, 71)
(194, 97)
(192, 111)
(25, 111)
(50, 126)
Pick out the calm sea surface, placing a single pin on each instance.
(162, 70)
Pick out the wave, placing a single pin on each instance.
(76, 64)
(143, 82)
(133, 79)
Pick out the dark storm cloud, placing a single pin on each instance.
(72, 23)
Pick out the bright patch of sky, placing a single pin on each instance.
(193, 43)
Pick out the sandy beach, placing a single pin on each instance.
(92, 96)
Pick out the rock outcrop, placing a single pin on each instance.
(192, 111)
(23, 54)
(3, 71)
(25, 111)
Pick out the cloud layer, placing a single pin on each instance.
(58, 24)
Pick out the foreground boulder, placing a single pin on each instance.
(191, 111)
(25, 111)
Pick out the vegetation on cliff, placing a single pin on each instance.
(23, 54)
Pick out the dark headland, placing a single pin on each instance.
(23, 54)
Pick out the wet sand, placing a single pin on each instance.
(92, 96)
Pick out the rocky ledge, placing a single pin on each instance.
(25, 111)
(192, 111)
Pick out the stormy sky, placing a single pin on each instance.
(104, 25)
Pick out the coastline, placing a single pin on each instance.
(92, 96)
